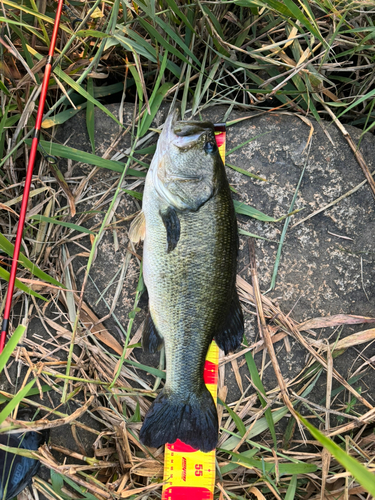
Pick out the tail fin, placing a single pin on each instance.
(193, 420)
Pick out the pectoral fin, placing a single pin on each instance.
(172, 225)
(137, 229)
(151, 340)
(230, 334)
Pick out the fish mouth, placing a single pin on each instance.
(183, 134)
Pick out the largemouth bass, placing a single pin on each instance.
(189, 267)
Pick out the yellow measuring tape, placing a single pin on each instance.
(190, 474)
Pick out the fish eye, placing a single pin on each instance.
(210, 146)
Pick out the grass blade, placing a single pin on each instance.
(11, 345)
(15, 401)
(62, 117)
(260, 426)
(70, 225)
(197, 94)
(81, 156)
(242, 208)
(156, 105)
(361, 474)
(163, 42)
(76, 86)
(177, 10)
(19, 6)
(156, 98)
(284, 468)
(244, 144)
(8, 248)
(245, 172)
(90, 118)
(259, 385)
(173, 35)
(5, 275)
(251, 235)
(236, 419)
(291, 491)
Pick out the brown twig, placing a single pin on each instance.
(14, 426)
(359, 157)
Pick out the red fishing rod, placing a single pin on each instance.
(29, 175)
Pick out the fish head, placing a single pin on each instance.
(187, 168)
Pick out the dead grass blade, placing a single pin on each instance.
(264, 329)
(356, 339)
(332, 203)
(96, 327)
(357, 153)
(335, 320)
(13, 426)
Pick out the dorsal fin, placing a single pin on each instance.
(137, 229)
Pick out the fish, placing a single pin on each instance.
(189, 228)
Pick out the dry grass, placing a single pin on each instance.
(122, 467)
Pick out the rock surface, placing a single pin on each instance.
(326, 265)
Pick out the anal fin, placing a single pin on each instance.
(230, 334)
(151, 340)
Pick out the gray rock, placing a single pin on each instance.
(326, 265)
